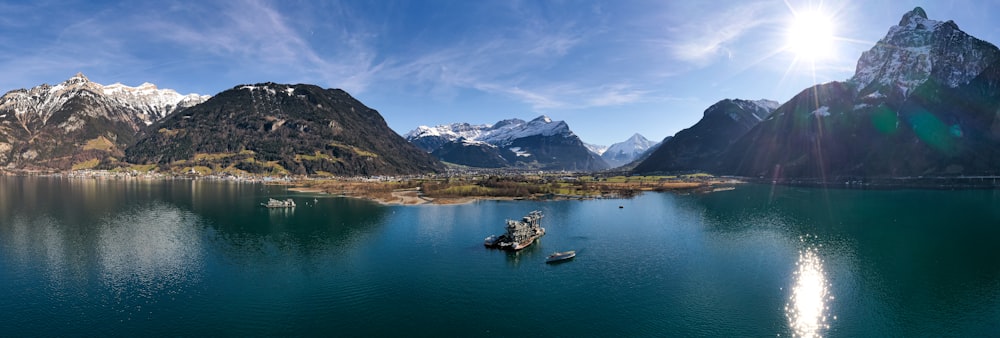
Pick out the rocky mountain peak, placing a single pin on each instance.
(542, 119)
(77, 79)
(913, 17)
(917, 50)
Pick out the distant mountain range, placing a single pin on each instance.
(266, 128)
(627, 151)
(923, 102)
(79, 122)
(537, 144)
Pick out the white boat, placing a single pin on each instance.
(560, 256)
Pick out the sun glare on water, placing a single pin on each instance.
(807, 308)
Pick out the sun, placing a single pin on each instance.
(810, 36)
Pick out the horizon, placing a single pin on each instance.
(608, 70)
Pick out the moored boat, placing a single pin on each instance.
(273, 203)
(560, 256)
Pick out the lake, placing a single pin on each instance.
(181, 258)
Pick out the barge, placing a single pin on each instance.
(520, 234)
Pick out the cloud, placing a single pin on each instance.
(261, 38)
(702, 40)
(547, 55)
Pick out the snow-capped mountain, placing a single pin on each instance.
(923, 102)
(540, 143)
(596, 148)
(79, 120)
(500, 133)
(917, 50)
(150, 103)
(625, 152)
(698, 147)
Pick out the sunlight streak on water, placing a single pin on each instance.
(155, 248)
(807, 307)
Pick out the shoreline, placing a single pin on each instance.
(384, 194)
(407, 191)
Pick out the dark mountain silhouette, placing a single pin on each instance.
(277, 128)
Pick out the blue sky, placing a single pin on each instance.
(609, 69)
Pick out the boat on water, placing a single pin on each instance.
(520, 234)
(273, 203)
(560, 256)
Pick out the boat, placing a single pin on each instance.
(273, 203)
(520, 234)
(560, 256)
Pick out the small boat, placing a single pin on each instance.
(273, 203)
(560, 256)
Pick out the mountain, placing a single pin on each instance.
(625, 152)
(475, 154)
(924, 101)
(596, 148)
(78, 122)
(699, 147)
(277, 129)
(538, 144)
(628, 167)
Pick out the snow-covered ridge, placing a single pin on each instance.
(500, 133)
(633, 145)
(42, 101)
(759, 109)
(918, 49)
(624, 152)
(596, 148)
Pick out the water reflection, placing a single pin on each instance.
(155, 247)
(807, 307)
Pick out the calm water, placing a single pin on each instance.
(85, 257)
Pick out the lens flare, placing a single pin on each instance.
(810, 35)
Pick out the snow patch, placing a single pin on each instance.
(519, 152)
(595, 148)
(821, 111)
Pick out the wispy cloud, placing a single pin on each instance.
(702, 40)
(524, 64)
(547, 56)
(257, 33)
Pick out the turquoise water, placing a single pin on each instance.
(86, 257)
